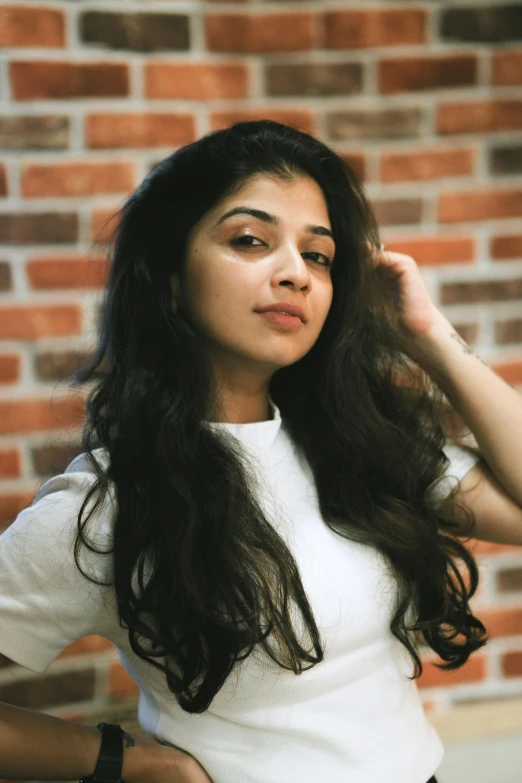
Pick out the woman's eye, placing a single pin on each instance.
(239, 241)
(327, 261)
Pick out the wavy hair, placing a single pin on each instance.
(200, 574)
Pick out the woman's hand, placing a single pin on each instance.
(147, 760)
(416, 311)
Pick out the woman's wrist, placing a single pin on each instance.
(144, 758)
(135, 758)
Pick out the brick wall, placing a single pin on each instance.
(423, 98)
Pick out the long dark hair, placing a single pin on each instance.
(200, 574)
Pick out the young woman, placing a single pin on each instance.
(265, 518)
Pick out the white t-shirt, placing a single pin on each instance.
(353, 717)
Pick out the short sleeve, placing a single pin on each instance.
(461, 460)
(45, 601)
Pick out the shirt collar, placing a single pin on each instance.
(258, 435)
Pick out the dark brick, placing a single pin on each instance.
(38, 228)
(468, 332)
(509, 580)
(136, 32)
(52, 460)
(506, 246)
(313, 79)
(481, 291)
(3, 180)
(22, 133)
(426, 73)
(51, 690)
(489, 25)
(506, 160)
(508, 331)
(374, 123)
(398, 211)
(6, 277)
(511, 664)
(55, 365)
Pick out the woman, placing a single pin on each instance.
(266, 489)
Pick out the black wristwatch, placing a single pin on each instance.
(110, 760)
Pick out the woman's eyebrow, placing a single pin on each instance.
(268, 218)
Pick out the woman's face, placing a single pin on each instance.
(228, 277)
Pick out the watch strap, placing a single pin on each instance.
(110, 760)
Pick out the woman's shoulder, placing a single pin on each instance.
(51, 517)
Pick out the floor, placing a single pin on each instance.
(496, 760)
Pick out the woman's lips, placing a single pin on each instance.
(284, 321)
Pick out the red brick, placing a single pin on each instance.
(62, 80)
(76, 179)
(87, 645)
(21, 416)
(10, 463)
(474, 670)
(427, 164)
(507, 68)
(3, 179)
(502, 622)
(379, 27)
(121, 685)
(10, 506)
(479, 116)
(436, 250)
(31, 27)
(31, 322)
(103, 223)
(479, 205)
(196, 81)
(107, 131)
(426, 73)
(506, 246)
(511, 664)
(511, 372)
(303, 119)
(72, 271)
(258, 33)
(9, 368)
